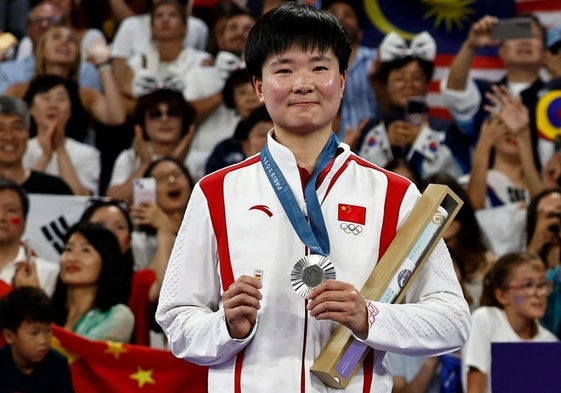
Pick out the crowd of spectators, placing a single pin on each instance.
(94, 98)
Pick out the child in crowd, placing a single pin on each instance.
(28, 363)
(514, 297)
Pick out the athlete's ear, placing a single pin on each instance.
(258, 86)
(343, 82)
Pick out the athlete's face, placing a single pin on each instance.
(301, 90)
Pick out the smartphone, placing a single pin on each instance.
(513, 29)
(416, 110)
(144, 190)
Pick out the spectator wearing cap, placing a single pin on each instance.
(249, 137)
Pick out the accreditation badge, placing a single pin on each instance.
(309, 272)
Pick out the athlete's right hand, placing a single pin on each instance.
(241, 302)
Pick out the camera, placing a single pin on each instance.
(416, 110)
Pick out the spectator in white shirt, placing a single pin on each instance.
(18, 264)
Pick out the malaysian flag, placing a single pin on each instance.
(448, 21)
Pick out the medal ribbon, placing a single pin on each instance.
(313, 233)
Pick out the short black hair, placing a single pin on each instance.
(236, 78)
(532, 211)
(326, 4)
(150, 3)
(256, 116)
(180, 165)
(179, 6)
(114, 277)
(295, 24)
(173, 99)
(25, 304)
(383, 73)
(96, 203)
(77, 125)
(10, 185)
(555, 48)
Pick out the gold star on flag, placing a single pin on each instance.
(143, 377)
(57, 345)
(114, 348)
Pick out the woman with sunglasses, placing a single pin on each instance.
(163, 128)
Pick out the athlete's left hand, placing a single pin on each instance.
(340, 302)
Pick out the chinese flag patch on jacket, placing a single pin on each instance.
(351, 213)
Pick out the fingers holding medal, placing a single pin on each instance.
(339, 302)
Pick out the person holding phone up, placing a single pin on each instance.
(157, 221)
(523, 58)
(406, 130)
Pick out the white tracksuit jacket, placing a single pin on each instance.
(234, 224)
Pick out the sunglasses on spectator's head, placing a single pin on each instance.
(104, 201)
(156, 113)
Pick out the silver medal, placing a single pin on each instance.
(309, 272)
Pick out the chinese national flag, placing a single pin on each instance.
(4, 290)
(110, 367)
(352, 213)
(105, 366)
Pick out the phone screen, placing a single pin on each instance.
(512, 29)
(144, 190)
(416, 110)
